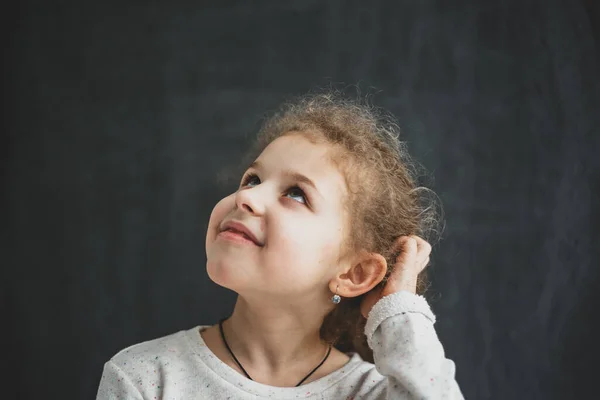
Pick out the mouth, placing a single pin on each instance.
(238, 232)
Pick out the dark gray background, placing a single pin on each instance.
(119, 116)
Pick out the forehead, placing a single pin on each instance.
(295, 153)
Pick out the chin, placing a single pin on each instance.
(225, 274)
(217, 273)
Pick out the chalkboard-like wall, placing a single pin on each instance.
(120, 115)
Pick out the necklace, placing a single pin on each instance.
(240, 365)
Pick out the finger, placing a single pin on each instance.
(423, 250)
(405, 264)
(423, 246)
(424, 264)
(408, 250)
(400, 243)
(413, 260)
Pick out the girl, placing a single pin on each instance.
(321, 241)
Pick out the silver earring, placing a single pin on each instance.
(336, 297)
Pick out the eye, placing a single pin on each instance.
(249, 179)
(293, 192)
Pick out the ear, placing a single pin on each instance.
(365, 272)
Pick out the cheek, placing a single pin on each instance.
(329, 243)
(262, 225)
(219, 212)
(329, 252)
(307, 243)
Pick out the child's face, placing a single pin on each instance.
(299, 229)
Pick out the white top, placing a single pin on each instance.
(409, 364)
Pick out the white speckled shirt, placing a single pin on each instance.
(409, 364)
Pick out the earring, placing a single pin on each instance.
(336, 297)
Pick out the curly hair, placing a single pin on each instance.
(384, 201)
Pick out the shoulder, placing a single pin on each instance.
(155, 353)
(141, 370)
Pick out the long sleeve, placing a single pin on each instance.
(407, 351)
(116, 385)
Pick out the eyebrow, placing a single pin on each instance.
(292, 174)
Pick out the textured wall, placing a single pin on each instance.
(119, 117)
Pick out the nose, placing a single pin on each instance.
(250, 200)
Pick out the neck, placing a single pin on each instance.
(274, 341)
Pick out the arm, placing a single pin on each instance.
(407, 351)
(116, 385)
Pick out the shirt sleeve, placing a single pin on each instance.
(407, 351)
(116, 385)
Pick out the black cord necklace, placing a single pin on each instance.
(238, 363)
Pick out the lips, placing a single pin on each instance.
(238, 227)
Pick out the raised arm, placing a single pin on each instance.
(400, 332)
(407, 351)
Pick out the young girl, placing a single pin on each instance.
(321, 241)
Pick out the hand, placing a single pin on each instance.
(412, 260)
